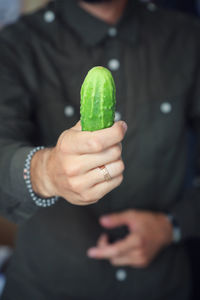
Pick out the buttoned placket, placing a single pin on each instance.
(49, 17)
(121, 275)
(114, 64)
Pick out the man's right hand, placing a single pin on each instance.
(71, 169)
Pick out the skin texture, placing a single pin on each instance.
(71, 168)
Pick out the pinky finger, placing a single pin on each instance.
(105, 187)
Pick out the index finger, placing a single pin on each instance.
(86, 142)
(116, 249)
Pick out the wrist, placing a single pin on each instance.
(167, 229)
(40, 177)
(176, 230)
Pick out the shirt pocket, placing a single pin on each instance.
(155, 149)
(160, 127)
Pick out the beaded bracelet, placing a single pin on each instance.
(43, 202)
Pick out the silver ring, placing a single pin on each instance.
(105, 172)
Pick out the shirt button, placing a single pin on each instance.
(121, 275)
(117, 116)
(49, 16)
(113, 64)
(69, 111)
(166, 107)
(112, 31)
(151, 7)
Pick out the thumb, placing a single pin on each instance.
(115, 220)
(77, 126)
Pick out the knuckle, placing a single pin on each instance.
(62, 144)
(116, 152)
(95, 145)
(75, 185)
(121, 166)
(72, 170)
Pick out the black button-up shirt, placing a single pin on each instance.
(154, 56)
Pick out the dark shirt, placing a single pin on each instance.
(154, 57)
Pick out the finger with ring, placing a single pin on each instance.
(105, 173)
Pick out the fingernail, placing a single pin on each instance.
(125, 126)
(91, 252)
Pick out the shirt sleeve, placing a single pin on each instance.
(187, 210)
(17, 132)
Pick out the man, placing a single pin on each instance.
(128, 244)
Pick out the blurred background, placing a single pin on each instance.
(10, 11)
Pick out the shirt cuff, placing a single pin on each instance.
(26, 207)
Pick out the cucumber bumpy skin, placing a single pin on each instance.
(98, 100)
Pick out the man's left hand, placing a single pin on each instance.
(148, 234)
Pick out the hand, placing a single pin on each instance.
(149, 233)
(70, 169)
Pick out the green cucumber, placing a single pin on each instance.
(98, 99)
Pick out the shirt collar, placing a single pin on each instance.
(83, 23)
